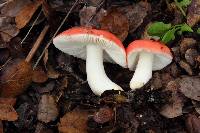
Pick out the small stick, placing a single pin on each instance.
(48, 44)
(37, 44)
(31, 27)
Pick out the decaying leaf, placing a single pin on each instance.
(193, 124)
(13, 7)
(8, 32)
(193, 16)
(8, 101)
(48, 110)
(176, 102)
(90, 17)
(15, 78)
(1, 127)
(7, 112)
(116, 23)
(74, 122)
(52, 73)
(39, 76)
(136, 14)
(104, 114)
(25, 14)
(190, 87)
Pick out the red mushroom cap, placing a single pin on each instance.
(73, 42)
(161, 52)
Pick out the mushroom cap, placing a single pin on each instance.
(162, 54)
(74, 41)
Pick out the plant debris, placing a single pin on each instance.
(47, 109)
(74, 122)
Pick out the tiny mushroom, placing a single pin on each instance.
(143, 56)
(95, 46)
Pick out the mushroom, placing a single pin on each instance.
(143, 56)
(90, 44)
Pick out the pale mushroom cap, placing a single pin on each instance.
(162, 54)
(75, 40)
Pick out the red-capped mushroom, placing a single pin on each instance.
(90, 44)
(145, 56)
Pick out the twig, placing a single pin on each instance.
(97, 10)
(48, 44)
(37, 44)
(31, 27)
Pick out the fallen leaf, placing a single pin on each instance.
(187, 43)
(74, 122)
(27, 116)
(13, 7)
(8, 101)
(4, 55)
(116, 23)
(176, 102)
(186, 67)
(7, 112)
(25, 14)
(190, 87)
(1, 127)
(8, 32)
(39, 76)
(193, 124)
(47, 110)
(15, 78)
(47, 88)
(136, 14)
(89, 16)
(40, 128)
(190, 56)
(193, 16)
(52, 73)
(104, 115)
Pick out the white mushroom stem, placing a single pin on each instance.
(96, 76)
(143, 71)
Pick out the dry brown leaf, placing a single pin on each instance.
(116, 23)
(136, 14)
(90, 17)
(52, 73)
(104, 114)
(39, 76)
(47, 110)
(176, 102)
(25, 14)
(8, 32)
(7, 112)
(1, 127)
(74, 122)
(193, 124)
(193, 16)
(190, 87)
(13, 7)
(8, 101)
(16, 77)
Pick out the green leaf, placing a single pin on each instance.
(198, 31)
(184, 28)
(169, 35)
(158, 29)
(182, 4)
